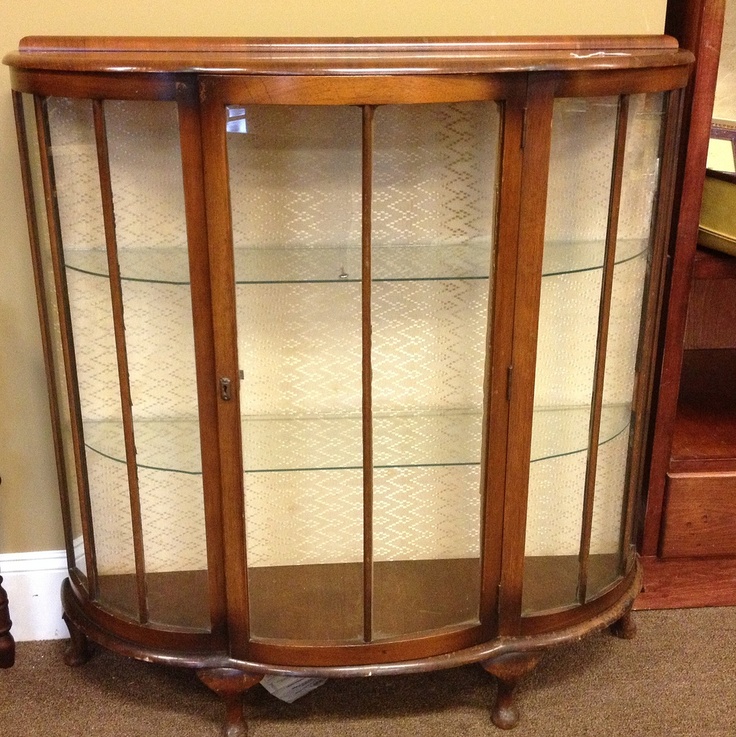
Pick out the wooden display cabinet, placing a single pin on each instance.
(349, 343)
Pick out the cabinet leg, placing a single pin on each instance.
(508, 670)
(79, 649)
(7, 644)
(230, 684)
(625, 627)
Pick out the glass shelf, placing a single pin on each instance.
(327, 443)
(571, 257)
(315, 264)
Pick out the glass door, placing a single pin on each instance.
(364, 250)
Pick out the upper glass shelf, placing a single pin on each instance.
(343, 264)
(324, 443)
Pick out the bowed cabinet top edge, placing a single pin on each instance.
(345, 56)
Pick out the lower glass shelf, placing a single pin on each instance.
(280, 443)
(325, 602)
(304, 602)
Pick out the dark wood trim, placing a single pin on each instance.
(611, 82)
(192, 155)
(7, 644)
(185, 653)
(417, 647)
(340, 45)
(548, 622)
(698, 26)
(499, 366)
(95, 85)
(651, 328)
(687, 582)
(535, 141)
(93, 616)
(366, 367)
(355, 90)
(340, 56)
(222, 289)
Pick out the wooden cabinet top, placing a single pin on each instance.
(347, 56)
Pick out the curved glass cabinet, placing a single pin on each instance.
(349, 344)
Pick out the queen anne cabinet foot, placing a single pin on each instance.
(508, 670)
(230, 684)
(625, 627)
(79, 649)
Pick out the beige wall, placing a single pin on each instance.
(29, 518)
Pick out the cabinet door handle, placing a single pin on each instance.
(225, 389)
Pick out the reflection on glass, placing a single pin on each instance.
(54, 346)
(433, 223)
(295, 179)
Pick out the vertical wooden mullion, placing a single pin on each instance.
(67, 339)
(192, 150)
(535, 142)
(225, 334)
(126, 402)
(367, 372)
(604, 315)
(498, 355)
(46, 342)
(651, 312)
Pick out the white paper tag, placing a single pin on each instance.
(290, 688)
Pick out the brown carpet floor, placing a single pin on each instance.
(676, 679)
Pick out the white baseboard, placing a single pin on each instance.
(33, 582)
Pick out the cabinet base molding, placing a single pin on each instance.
(507, 658)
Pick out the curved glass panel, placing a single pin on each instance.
(583, 134)
(156, 362)
(639, 187)
(589, 328)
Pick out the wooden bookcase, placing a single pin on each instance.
(687, 518)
